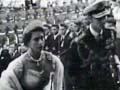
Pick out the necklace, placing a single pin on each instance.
(36, 60)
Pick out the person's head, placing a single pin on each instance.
(33, 36)
(98, 11)
(55, 29)
(47, 29)
(5, 53)
(73, 27)
(63, 29)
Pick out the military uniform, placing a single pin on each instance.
(95, 57)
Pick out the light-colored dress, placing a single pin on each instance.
(24, 74)
(116, 14)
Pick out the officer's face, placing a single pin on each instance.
(103, 21)
(37, 41)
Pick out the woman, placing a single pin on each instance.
(36, 68)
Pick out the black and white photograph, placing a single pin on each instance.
(59, 44)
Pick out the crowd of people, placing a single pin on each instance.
(80, 54)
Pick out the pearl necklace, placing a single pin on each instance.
(36, 60)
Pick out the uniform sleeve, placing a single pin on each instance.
(58, 74)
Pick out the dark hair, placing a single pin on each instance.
(55, 25)
(63, 25)
(114, 0)
(46, 25)
(27, 36)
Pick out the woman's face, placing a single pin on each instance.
(37, 41)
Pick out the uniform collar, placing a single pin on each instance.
(93, 32)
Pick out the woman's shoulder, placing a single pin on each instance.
(55, 59)
(18, 62)
(50, 56)
(15, 67)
